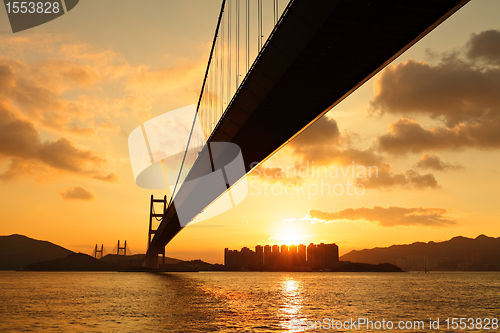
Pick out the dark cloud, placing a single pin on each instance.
(324, 130)
(485, 46)
(319, 143)
(406, 135)
(76, 193)
(323, 144)
(454, 91)
(461, 90)
(384, 176)
(387, 217)
(431, 161)
(21, 144)
(409, 179)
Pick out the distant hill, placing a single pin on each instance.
(73, 262)
(115, 258)
(192, 266)
(362, 267)
(481, 253)
(17, 251)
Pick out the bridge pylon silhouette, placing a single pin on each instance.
(317, 53)
(99, 252)
(152, 255)
(119, 248)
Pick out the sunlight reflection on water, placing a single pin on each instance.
(235, 301)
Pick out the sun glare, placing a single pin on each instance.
(290, 237)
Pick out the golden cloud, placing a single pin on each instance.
(386, 216)
(76, 193)
(21, 144)
(431, 161)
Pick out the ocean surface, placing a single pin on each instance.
(246, 301)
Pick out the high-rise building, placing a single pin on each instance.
(322, 256)
(232, 259)
(327, 256)
(292, 255)
(275, 257)
(301, 255)
(267, 255)
(247, 257)
(259, 256)
(284, 261)
(312, 261)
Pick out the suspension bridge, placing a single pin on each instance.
(274, 68)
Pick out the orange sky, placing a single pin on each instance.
(73, 89)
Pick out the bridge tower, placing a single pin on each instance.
(152, 256)
(97, 250)
(124, 248)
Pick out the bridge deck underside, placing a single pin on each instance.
(321, 52)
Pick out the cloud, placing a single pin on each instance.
(324, 131)
(65, 93)
(324, 145)
(386, 217)
(431, 161)
(409, 179)
(461, 91)
(385, 177)
(406, 135)
(319, 143)
(110, 177)
(76, 193)
(20, 143)
(35, 90)
(485, 46)
(455, 91)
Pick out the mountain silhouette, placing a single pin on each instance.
(73, 262)
(18, 251)
(120, 259)
(460, 252)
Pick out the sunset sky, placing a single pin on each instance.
(72, 90)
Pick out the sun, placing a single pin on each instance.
(290, 237)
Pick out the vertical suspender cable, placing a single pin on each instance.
(222, 66)
(219, 65)
(248, 35)
(237, 43)
(216, 85)
(199, 100)
(276, 13)
(259, 25)
(229, 53)
(274, 7)
(205, 103)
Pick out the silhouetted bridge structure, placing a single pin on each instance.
(317, 53)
